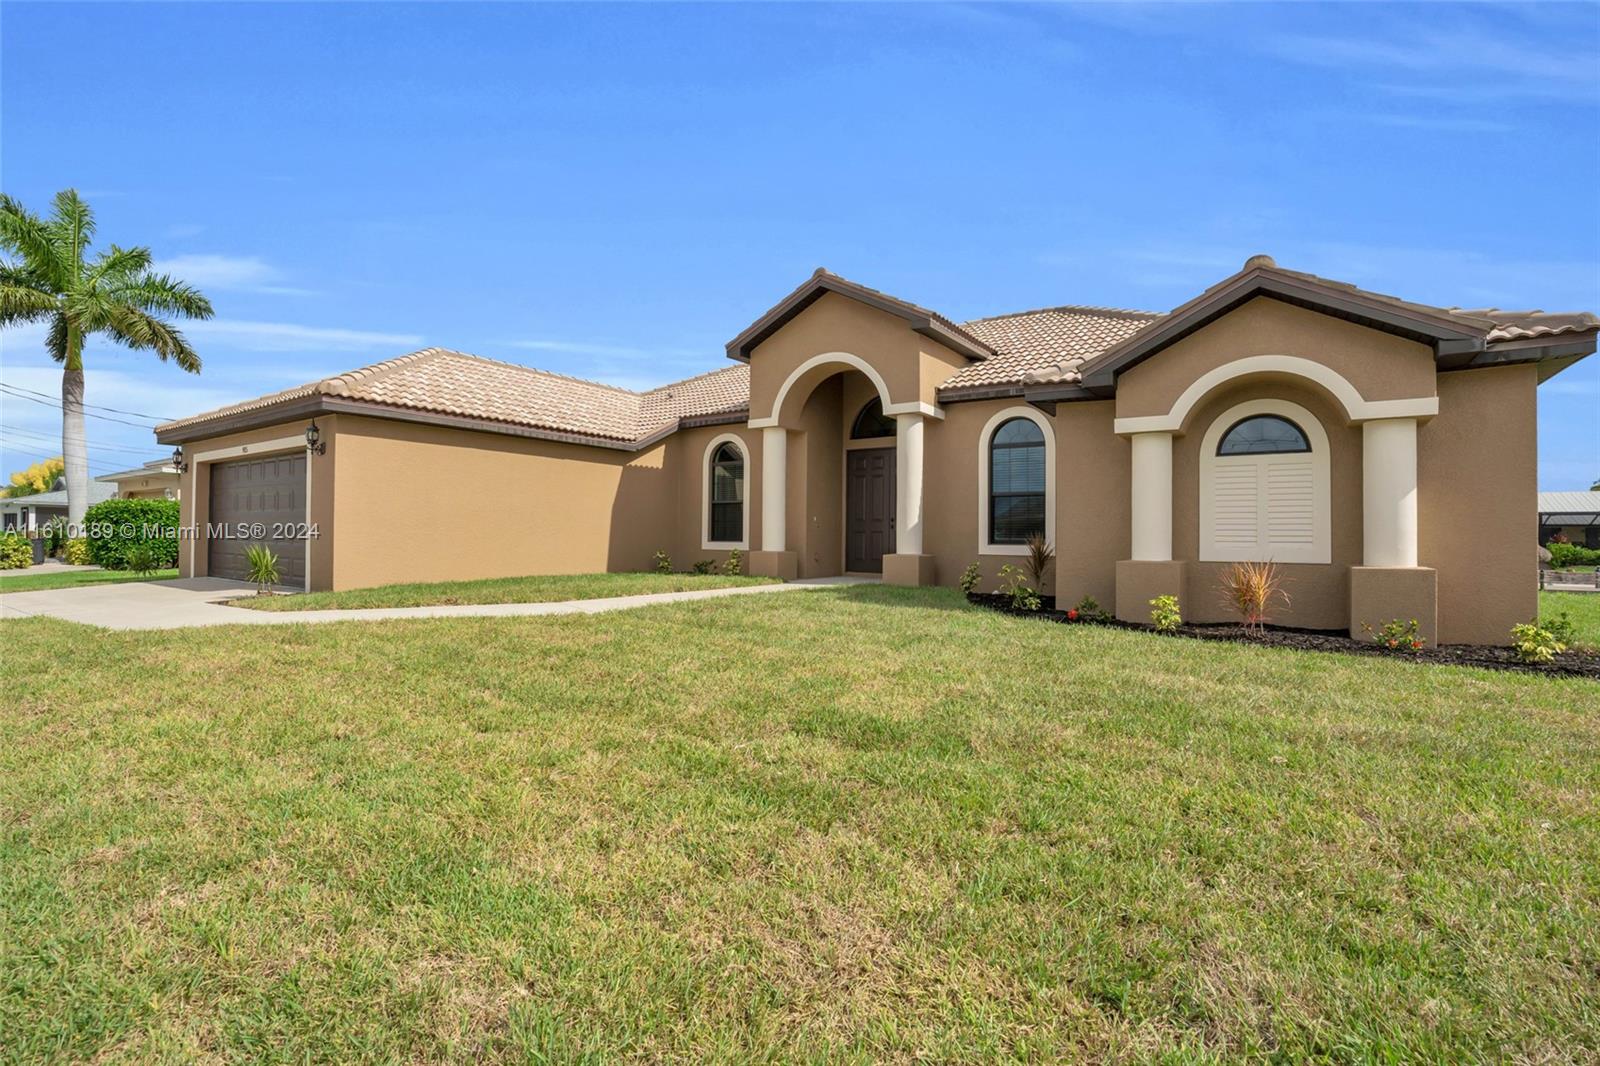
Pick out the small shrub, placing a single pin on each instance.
(1014, 584)
(1562, 628)
(705, 566)
(143, 558)
(734, 564)
(1535, 644)
(1563, 555)
(1396, 635)
(1164, 614)
(115, 526)
(76, 552)
(970, 578)
(16, 553)
(663, 563)
(1252, 589)
(262, 567)
(55, 536)
(1089, 610)
(1041, 553)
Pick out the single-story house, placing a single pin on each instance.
(28, 513)
(1575, 515)
(1382, 451)
(155, 480)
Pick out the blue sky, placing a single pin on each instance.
(615, 191)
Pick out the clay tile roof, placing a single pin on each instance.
(724, 391)
(1035, 341)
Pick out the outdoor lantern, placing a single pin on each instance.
(177, 460)
(314, 439)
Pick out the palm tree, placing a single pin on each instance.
(46, 277)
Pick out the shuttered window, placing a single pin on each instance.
(1264, 495)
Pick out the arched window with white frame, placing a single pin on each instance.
(725, 499)
(1016, 481)
(1264, 491)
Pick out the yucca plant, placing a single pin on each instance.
(1253, 589)
(1041, 553)
(262, 566)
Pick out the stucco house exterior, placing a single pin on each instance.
(1382, 451)
(155, 480)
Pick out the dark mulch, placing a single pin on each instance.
(1575, 662)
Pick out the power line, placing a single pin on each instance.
(13, 431)
(97, 407)
(109, 468)
(6, 390)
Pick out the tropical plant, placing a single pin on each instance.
(48, 277)
(1535, 644)
(1252, 589)
(1014, 585)
(76, 552)
(970, 578)
(142, 558)
(663, 563)
(262, 566)
(55, 535)
(1041, 553)
(36, 478)
(1561, 627)
(705, 566)
(1396, 635)
(16, 553)
(113, 527)
(734, 563)
(1089, 610)
(1164, 614)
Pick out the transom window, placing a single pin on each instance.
(1016, 482)
(872, 422)
(727, 495)
(1263, 435)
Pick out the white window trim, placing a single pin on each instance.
(1037, 418)
(743, 544)
(1320, 549)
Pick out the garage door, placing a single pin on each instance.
(258, 501)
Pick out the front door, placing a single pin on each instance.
(869, 509)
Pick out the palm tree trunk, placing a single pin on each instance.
(74, 442)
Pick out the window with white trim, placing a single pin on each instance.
(1264, 486)
(1016, 481)
(726, 521)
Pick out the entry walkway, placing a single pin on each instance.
(189, 602)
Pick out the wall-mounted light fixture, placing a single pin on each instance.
(177, 460)
(314, 441)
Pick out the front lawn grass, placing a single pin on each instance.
(25, 581)
(858, 824)
(1582, 607)
(547, 588)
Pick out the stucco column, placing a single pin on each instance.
(1152, 497)
(1389, 492)
(908, 484)
(774, 488)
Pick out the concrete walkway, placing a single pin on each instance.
(190, 602)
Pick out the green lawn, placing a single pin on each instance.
(1582, 607)
(537, 589)
(856, 824)
(30, 581)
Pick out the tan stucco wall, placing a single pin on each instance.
(681, 528)
(195, 493)
(148, 487)
(1478, 504)
(1380, 366)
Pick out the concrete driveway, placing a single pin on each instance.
(193, 602)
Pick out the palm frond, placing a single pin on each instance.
(25, 235)
(161, 294)
(24, 303)
(136, 329)
(116, 262)
(55, 342)
(71, 226)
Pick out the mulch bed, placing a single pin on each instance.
(1575, 662)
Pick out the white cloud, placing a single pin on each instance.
(610, 351)
(243, 273)
(288, 337)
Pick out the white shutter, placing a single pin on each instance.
(1236, 506)
(1290, 504)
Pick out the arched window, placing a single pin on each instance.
(1264, 489)
(1016, 482)
(724, 503)
(1263, 435)
(872, 422)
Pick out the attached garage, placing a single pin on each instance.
(258, 501)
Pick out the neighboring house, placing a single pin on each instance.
(30, 512)
(155, 480)
(1574, 514)
(1382, 451)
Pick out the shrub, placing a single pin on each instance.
(1252, 589)
(1089, 610)
(142, 558)
(115, 526)
(262, 567)
(76, 552)
(1561, 628)
(1014, 584)
(16, 553)
(1164, 614)
(970, 578)
(1564, 555)
(1396, 635)
(1041, 553)
(734, 563)
(705, 566)
(55, 536)
(663, 563)
(1535, 644)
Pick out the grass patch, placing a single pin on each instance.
(547, 588)
(861, 824)
(24, 581)
(1582, 607)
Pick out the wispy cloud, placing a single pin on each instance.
(606, 351)
(1442, 123)
(289, 337)
(239, 273)
(182, 230)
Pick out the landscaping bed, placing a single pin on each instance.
(1574, 662)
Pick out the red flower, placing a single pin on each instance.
(1416, 645)
(1072, 615)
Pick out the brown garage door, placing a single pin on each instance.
(258, 501)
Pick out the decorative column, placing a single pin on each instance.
(1389, 492)
(774, 488)
(1152, 497)
(908, 484)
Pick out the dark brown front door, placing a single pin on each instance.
(258, 501)
(869, 509)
